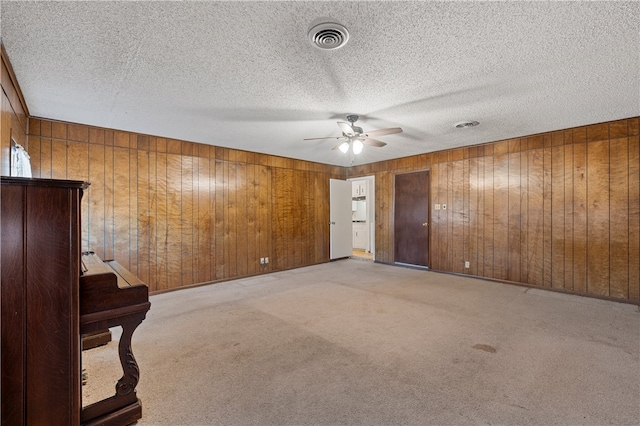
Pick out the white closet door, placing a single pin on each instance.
(340, 219)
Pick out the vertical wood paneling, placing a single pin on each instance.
(435, 226)
(535, 218)
(515, 218)
(319, 223)
(174, 221)
(96, 197)
(444, 243)
(449, 239)
(162, 225)
(253, 242)
(634, 218)
(465, 214)
(619, 219)
(558, 215)
(109, 214)
(35, 154)
(288, 236)
(133, 211)
(524, 209)
(267, 216)
(298, 221)
(481, 214)
(541, 210)
(580, 218)
(387, 217)
(153, 218)
(489, 219)
(546, 209)
(46, 151)
(59, 166)
(186, 220)
(144, 217)
(279, 181)
(501, 210)
(309, 231)
(306, 218)
(458, 216)
(78, 169)
(121, 210)
(231, 220)
(204, 223)
(220, 269)
(598, 218)
(242, 220)
(473, 217)
(383, 218)
(567, 231)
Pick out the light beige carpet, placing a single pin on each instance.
(358, 343)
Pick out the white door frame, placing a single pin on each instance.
(371, 211)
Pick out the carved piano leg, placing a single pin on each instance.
(124, 407)
(131, 373)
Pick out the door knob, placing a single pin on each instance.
(425, 224)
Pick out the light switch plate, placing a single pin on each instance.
(437, 206)
(444, 207)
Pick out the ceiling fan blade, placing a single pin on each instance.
(328, 137)
(383, 132)
(373, 142)
(346, 128)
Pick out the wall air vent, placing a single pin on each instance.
(328, 36)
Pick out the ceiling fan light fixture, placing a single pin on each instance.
(357, 146)
(344, 147)
(328, 35)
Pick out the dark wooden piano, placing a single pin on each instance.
(46, 305)
(111, 296)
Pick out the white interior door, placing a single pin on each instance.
(341, 233)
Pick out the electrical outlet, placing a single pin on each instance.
(266, 260)
(467, 265)
(444, 207)
(262, 260)
(436, 207)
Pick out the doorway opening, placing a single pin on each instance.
(363, 215)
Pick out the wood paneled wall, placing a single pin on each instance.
(177, 213)
(13, 114)
(559, 210)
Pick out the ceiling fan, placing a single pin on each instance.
(355, 138)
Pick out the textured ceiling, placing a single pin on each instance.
(244, 75)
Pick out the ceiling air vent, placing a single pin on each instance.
(328, 35)
(465, 124)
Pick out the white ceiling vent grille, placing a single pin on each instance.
(328, 36)
(465, 124)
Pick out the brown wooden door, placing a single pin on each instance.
(411, 219)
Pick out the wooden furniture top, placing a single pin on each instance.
(59, 183)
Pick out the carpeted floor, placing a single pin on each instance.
(359, 343)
